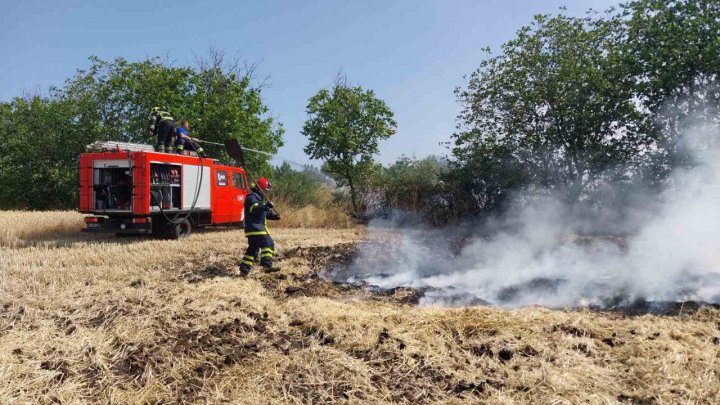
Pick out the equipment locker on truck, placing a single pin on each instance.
(130, 189)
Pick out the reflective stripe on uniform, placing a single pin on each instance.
(265, 250)
(248, 262)
(256, 233)
(253, 206)
(266, 255)
(249, 257)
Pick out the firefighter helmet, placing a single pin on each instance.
(264, 183)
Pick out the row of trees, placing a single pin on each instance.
(568, 105)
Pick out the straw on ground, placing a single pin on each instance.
(102, 320)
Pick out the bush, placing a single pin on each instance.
(412, 189)
(296, 188)
(408, 183)
(307, 198)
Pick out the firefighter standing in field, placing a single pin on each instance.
(184, 141)
(162, 124)
(257, 211)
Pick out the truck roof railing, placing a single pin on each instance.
(99, 146)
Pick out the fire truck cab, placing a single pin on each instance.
(130, 189)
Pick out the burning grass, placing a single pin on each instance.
(153, 321)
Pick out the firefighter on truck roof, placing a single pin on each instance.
(162, 124)
(257, 212)
(184, 141)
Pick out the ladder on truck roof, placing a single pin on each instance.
(113, 146)
(102, 146)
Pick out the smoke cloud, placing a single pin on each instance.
(536, 255)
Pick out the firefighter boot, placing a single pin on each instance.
(161, 148)
(270, 268)
(244, 269)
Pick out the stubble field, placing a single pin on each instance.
(95, 319)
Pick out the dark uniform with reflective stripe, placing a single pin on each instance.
(259, 240)
(162, 124)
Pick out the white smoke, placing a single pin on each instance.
(673, 253)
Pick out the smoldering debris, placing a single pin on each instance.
(527, 269)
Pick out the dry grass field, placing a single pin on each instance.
(87, 319)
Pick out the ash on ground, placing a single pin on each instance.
(463, 270)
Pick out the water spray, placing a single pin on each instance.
(245, 148)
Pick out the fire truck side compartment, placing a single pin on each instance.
(112, 189)
(165, 186)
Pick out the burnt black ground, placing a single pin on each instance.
(348, 265)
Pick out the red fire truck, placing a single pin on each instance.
(130, 189)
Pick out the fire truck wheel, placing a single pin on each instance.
(180, 230)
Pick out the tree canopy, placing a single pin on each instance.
(572, 103)
(344, 127)
(672, 49)
(556, 102)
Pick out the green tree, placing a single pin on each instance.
(37, 137)
(672, 48)
(555, 106)
(344, 127)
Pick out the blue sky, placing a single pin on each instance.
(411, 53)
